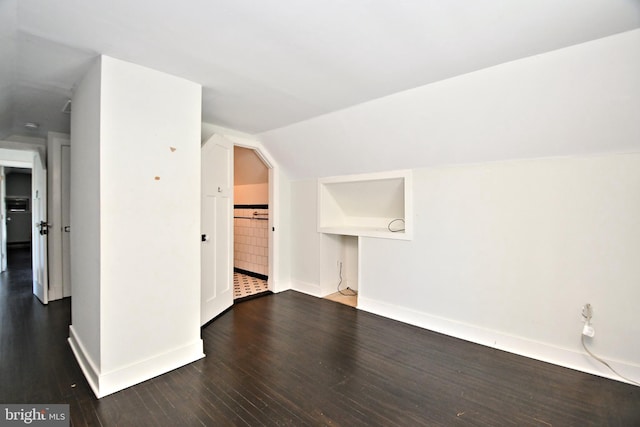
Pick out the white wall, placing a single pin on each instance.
(304, 238)
(15, 157)
(336, 250)
(507, 254)
(147, 225)
(282, 219)
(350, 262)
(85, 217)
(8, 47)
(579, 100)
(504, 253)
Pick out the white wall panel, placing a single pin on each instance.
(512, 251)
(574, 101)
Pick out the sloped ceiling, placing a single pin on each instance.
(267, 64)
(248, 168)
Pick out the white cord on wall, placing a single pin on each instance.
(584, 345)
(395, 230)
(588, 331)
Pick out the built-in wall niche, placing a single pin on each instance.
(372, 205)
(339, 265)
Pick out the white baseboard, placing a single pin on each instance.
(564, 357)
(281, 286)
(307, 288)
(87, 365)
(107, 383)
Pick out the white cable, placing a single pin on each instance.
(584, 345)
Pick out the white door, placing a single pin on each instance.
(39, 230)
(58, 207)
(217, 227)
(65, 191)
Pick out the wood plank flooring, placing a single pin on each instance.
(292, 359)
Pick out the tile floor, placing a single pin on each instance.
(244, 286)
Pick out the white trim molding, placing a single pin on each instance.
(490, 338)
(107, 383)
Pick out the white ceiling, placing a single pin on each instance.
(268, 64)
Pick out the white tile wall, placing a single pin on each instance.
(251, 240)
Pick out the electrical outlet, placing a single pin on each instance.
(587, 313)
(588, 330)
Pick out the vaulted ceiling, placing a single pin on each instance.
(268, 64)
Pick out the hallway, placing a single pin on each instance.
(37, 363)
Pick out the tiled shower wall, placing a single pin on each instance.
(251, 240)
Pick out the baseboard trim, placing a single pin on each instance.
(88, 367)
(280, 286)
(544, 352)
(107, 383)
(307, 288)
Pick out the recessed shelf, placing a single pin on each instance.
(366, 205)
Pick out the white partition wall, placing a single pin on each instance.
(135, 209)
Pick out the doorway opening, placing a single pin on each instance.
(17, 217)
(250, 225)
(27, 209)
(217, 225)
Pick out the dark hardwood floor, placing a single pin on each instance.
(291, 359)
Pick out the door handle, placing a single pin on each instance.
(44, 227)
(204, 238)
(66, 229)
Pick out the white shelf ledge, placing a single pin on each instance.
(382, 233)
(365, 205)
